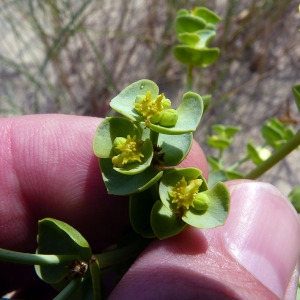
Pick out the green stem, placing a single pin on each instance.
(277, 156)
(96, 278)
(122, 254)
(35, 259)
(154, 137)
(69, 290)
(238, 163)
(190, 78)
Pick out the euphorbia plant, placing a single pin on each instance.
(138, 159)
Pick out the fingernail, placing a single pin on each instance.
(263, 233)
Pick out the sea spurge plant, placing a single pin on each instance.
(135, 150)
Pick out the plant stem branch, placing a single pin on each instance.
(122, 254)
(154, 137)
(69, 290)
(190, 78)
(35, 259)
(277, 156)
(238, 163)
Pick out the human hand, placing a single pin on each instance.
(48, 169)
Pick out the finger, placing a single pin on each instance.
(253, 256)
(48, 169)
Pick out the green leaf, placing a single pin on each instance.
(164, 223)
(121, 184)
(206, 36)
(294, 197)
(215, 163)
(140, 206)
(175, 147)
(191, 39)
(171, 178)
(217, 212)
(231, 175)
(57, 237)
(189, 115)
(182, 12)
(223, 175)
(188, 23)
(206, 101)
(257, 154)
(216, 176)
(199, 39)
(108, 130)
(226, 131)
(218, 142)
(276, 133)
(296, 92)
(253, 154)
(96, 277)
(206, 14)
(194, 56)
(124, 101)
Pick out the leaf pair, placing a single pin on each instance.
(164, 218)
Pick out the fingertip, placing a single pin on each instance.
(260, 222)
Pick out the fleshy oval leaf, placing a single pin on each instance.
(188, 23)
(189, 115)
(124, 102)
(191, 39)
(294, 197)
(164, 223)
(57, 237)
(121, 184)
(108, 130)
(196, 57)
(140, 206)
(206, 14)
(217, 212)
(218, 142)
(206, 36)
(175, 147)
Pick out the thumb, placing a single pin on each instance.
(253, 256)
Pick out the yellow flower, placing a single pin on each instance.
(130, 151)
(183, 193)
(152, 110)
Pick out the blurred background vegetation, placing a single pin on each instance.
(73, 56)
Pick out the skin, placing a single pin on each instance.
(48, 169)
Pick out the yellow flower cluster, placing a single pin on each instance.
(151, 109)
(130, 151)
(183, 193)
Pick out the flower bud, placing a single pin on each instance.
(169, 118)
(156, 118)
(166, 103)
(201, 202)
(117, 143)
